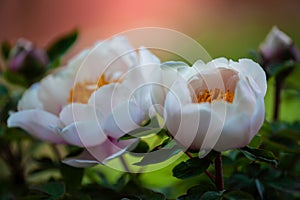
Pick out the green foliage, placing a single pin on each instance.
(59, 47)
(5, 49)
(259, 155)
(191, 167)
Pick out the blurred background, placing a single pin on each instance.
(224, 28)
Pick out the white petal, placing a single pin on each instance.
(30, 99)
(54, 91)
(76, 112)
(126, 117)
(109, 56)
(196, 127)
(167, 74)
(146, 57)
(252, 69)
(108, 97)
(85, 159)
(38, 123)
(235, 133)
(84, 134)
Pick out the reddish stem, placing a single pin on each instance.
(219, 173)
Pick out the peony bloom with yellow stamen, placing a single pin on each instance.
(91, 102)
(218, 105)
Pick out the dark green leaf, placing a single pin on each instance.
(135, 190)
(142, 147)
(238, 195)
(256, 141)
(195, 192)
(288, 185)
(59, 47)
(141, 132)
(72, 176)
(5, 50)
(212, 195)
(54, 189)
(15, 78)
(121, 182)
(190, 168)
(165, 143)
(259, 155)
(159, 156)
(260, 188)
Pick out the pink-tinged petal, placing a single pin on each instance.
(252, 69)
(84, 160)
(108, 97)
(84, 134)
(30, 99)
(54, 91)
(77, 112)
(126, 117)
(40, 124)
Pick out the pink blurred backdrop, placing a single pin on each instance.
(214, 23)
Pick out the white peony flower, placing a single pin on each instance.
(91, 102)
(219, 105)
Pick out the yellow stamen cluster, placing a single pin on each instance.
(82, 91)
(214, 95)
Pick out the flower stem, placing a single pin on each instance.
(278, 84)
(219, 173)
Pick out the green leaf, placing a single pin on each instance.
(149, 128)
(15, 78)
(54, 189)
(212, 195)
(259, 155)
(141, 132)
(121, 182)
(142, 147)
(72, 176)
(260, 188)
(287, 185)
(165, 144)
(256, 141)
(238, 195)
(5, 50)
(190, 168)
(160, 156)
(195, 192)
(59, 47)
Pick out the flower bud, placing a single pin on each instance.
(28, 60)
(278, 48)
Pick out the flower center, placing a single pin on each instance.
(215, 94)
(82, 91)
